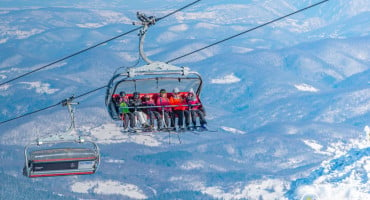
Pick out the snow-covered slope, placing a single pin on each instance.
(291, 121)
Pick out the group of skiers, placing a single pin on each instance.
(164, 110)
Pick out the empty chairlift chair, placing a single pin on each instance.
(60, 155)
(67, 158)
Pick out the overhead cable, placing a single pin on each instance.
(236, 35)
(249, 30)
(30, 113)
(91, 47)
(74, 54)
(175, 11)
(66, 57)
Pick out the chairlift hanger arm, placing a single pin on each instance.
(145, 23)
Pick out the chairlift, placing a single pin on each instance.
(61, 155)
(61, 158)
(150, 78)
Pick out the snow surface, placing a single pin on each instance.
(109, 187)
(289, 102)
(306, 88)
(40, 87)
(230, 78)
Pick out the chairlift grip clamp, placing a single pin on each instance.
(145, 20)
(69, 101)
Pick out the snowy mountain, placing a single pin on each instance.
(290, 101)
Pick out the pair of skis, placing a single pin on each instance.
(196, 130)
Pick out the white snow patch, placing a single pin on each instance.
(3, 76)
(290, 163)
(344, 176)
(90, 25)
(239, 28)
(4, 87)
(19, 34)
(306, 88)
(228, 79)
(111, 133)
(178, 28)
(347, 106)
(112, 17)
(299, 26)
(190, 165)
(218, 168)
(232, 130)
(219, 14)
(230, 149)
(109, 187)
(128, 56)
(206, 26)
(4, 40)
(167, 37)
(367, 132)
(241, 50)
(292, 130)
(115, 161)
(350, 187)
(261, 189)
(42, 88)
(11, 62)
(182, 16)
(206, 53)
(315, 146)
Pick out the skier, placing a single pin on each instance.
(165, 110)
(177, 101)
(126, 116)
(151, 111)
(134, 104)
(196, 109)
